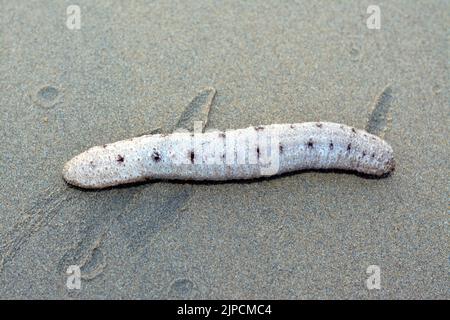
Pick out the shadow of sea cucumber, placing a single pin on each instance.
(380, 117)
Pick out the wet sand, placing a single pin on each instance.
(135, 68)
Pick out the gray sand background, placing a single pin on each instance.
(135, 66)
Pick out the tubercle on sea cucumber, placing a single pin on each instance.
(235, 154)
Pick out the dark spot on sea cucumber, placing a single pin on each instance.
(349, 147)
(319, 125)
(105, 145)
(192, 156)
(373, 155)
(259, 128)
(280, 147)
(331, 145)
(120, 158)
(292, 126)
(353, 130)
(310, 144)
(222, 134)
(257, 151)
(364, 154)
(156, 156)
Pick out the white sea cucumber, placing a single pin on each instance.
(233, 154)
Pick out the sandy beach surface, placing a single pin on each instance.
(135, 66)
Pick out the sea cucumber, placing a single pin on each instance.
(233, 154)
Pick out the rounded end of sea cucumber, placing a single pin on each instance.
(390, 166)
(73, 175)
(387, 169)
(69, 173)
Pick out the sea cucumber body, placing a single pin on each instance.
(235, 154)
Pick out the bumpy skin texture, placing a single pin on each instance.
(215, 155)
